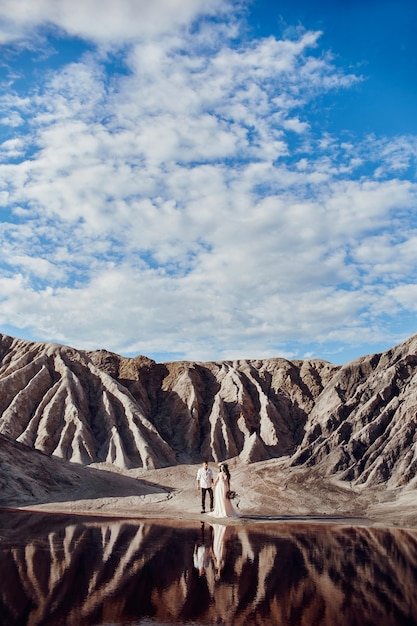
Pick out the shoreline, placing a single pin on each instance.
(267, 493)
(185, 519)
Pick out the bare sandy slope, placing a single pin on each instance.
(265, 490)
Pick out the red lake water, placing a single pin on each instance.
(76, 571)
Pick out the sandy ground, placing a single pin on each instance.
(267, 491)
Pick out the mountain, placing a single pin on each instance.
(356, 422)
(363, 425)
(89, 407)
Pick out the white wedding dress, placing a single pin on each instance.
(223, 507)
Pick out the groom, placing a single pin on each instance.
(205, 483)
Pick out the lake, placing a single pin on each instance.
(75, 571)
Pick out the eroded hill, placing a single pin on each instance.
(97, 406)
(357, 421)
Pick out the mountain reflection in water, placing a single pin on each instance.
(58, 570)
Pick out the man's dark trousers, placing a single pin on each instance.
(203, 497)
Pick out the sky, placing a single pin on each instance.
(209, 180)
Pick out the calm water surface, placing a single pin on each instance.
(61, 570)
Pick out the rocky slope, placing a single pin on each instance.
(357, 421)
(363, 426)
(99, 407)
(28, 476)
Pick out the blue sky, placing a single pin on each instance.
(209, 180)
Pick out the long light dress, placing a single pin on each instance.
(223, 507)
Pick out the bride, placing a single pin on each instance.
(223, 507)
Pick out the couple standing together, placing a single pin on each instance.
(220, 505)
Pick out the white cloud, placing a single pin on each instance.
(11, 148)
(388, 257)
(36, 267)
(395, 156)
(12, 119)
(185, 205)
(405, 296)
(102, 20)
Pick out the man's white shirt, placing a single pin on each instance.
(205, 477)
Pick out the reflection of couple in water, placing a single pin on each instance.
(221, 534)
(212, 550)
(203, 551)
(222, 506)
